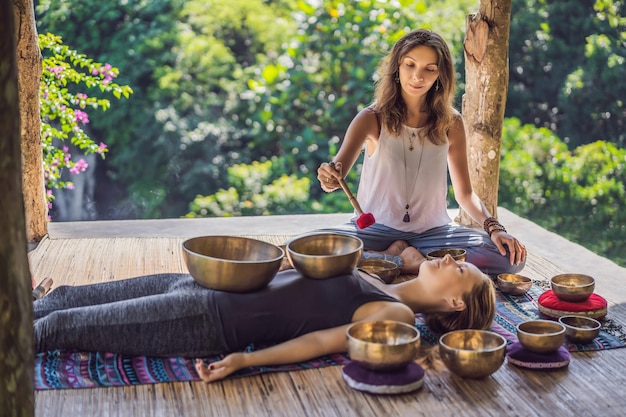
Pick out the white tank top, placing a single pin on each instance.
(385, 184)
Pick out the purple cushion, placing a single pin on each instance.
(519, 356)
(407, 379)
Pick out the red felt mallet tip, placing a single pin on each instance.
(365, 220)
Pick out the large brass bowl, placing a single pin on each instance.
(231, 263)
(324, 255)
(472, 354)
(386, 270)
(513, 284)
(580, 329)
(383, 345)
(457, 254)
(572, 287)
(541, 336)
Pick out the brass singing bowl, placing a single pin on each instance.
(472, 354)
(572, 287)
(580, 329)
(457, 254)
(231, 263)
(386, 270)
(513, 284)
(383, 345)
(541, 336)
(324, 255)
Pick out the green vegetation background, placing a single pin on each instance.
(237, 102)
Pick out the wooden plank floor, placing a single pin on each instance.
(592, 385)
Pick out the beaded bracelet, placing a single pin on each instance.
(491, 225)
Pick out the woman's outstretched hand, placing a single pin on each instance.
(220, 369)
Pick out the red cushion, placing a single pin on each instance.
(550, 305)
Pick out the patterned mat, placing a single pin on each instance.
(73, 369)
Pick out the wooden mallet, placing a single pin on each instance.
(365, 219)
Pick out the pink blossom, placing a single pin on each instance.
(102, 148)
(70, 186)
(81, 96)
(81, 116)
(79, 166)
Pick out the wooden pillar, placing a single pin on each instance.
(486, 49)
(16, 317)
(29, 78)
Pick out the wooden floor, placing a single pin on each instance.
(592, 385)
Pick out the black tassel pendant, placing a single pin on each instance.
(406, 218)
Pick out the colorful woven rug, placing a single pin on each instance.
(73, 369)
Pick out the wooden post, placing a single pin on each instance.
(16, 317)
(486, 49)
(29, 78)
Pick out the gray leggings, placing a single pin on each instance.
(481, 251)
(153, 315)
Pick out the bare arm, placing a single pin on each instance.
(468, 199)
(364, 127)
(305, 347)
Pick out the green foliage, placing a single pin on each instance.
(63, 108)
(577, 194)
(566, 73)
(255, 190)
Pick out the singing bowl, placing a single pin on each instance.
(513, 284)
(324, 255)
(231, 263)
(580, 329)
(472, 354)
(386, 270)
(541, 336)
(457, 254)
(383, 345)
(572, 287)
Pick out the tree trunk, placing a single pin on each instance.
(486, 84)
(29, 78)
(16, 317)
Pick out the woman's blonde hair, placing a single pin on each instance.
(388, 95)
(480, 309)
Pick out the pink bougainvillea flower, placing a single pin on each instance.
(102, 148)
(81, 116)
(80, 166)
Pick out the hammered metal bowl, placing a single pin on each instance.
(231, 263)
(386, 270)
(514, 284)
(472, 354)
(541, 336)
(580, 329)
(572, 287)
(456, 253)
(383, 345)
(324, 255)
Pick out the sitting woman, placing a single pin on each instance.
(301, 318)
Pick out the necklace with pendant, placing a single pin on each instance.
(412, 135)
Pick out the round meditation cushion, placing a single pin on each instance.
(519, 356)
(550, 305)
(410, 378)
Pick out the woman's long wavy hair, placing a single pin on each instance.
(388, 95)
(480, 309)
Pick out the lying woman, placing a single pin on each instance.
(171, 315)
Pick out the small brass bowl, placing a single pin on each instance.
(383, 345)
(541, 336)
(231, 263)
(572, 287)
(457, 254)
(514, 284)
(324, 255)
(580, 329)
(472, 354)
(386, 270)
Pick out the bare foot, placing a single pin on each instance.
(395, 249)
(412, 259)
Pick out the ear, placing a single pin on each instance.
(455, 304)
